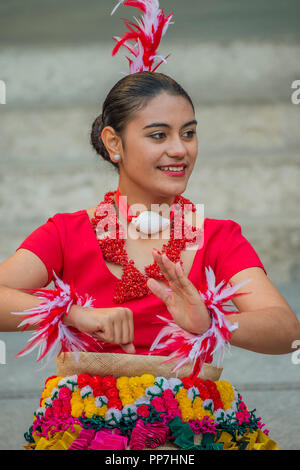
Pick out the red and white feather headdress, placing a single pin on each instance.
(143, 38)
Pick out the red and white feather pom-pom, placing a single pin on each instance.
(51, 330)
(189, 347)
(146, 35)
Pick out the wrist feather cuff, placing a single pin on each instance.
(197, 348)
(51, 330)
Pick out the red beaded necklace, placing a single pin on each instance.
(133, 283)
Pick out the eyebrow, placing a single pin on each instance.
(162, 124)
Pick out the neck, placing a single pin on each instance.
(141, 198)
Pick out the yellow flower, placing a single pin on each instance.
(52, 383)
(135, 381)
(147, 380)
(122, 382)
(185, 402)
(77, 409)
(199, 413)
(187, 414)
(77, 404)
(226, 393)
(138, 392)
(226, 405)
(125, 392)
(101, 411)
(128, 401)
(89, 407)
(197, 403)
(76, 396)
(181, 394)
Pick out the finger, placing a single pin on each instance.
(166, 266)
(99, 336)
(106, 333)
(125, 337)
(186, 285)
(117, 331)
(130, 324)
(162, 293)
(128, 348)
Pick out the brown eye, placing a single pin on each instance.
(191, 134)
(157, 135)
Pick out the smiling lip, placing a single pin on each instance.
(173, 173)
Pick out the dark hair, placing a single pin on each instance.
(129, 95)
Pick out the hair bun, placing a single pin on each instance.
(96, 140)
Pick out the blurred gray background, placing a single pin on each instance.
(237, 59)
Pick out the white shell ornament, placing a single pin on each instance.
(149, 222)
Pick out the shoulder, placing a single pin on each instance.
(68, 223)
(221, 227)
(214, 230)
(69, 217)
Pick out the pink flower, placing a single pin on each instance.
(64, 392)
(242, 417)
(171, 414)
(57, 403)
(167, 394)
(171, 404)
(158, 404)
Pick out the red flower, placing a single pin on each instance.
(109, 382)
(49, 412)
(96, 381)
(112, 393)
(143, 411)
(187, 382)
(98, 391)
(218, 404)
(199, 383)
(49, 378)
(115, 403)
(83, 380)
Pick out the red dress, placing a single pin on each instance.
(67, 243)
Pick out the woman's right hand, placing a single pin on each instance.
(110, 325)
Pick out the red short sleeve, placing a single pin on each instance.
(46, 243)
(235, 252)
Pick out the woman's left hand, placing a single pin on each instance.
(184, 301)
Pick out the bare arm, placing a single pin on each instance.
(266, 324)
(25, 270)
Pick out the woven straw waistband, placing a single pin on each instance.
(119, 365)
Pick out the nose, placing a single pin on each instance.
(176, 148)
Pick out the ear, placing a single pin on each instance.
(112, 141)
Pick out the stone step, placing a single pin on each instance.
(246, 71)
(226, 186)
(61, 134)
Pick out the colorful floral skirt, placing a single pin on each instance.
(90, 409)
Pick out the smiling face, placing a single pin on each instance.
(161, 134)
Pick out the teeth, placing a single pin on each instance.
(172, 168)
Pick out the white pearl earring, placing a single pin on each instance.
(117, 158)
